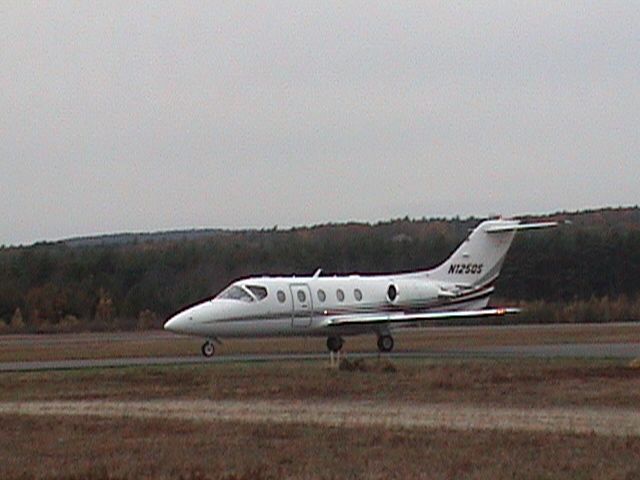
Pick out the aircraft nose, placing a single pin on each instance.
(192, 320)
(176, 323)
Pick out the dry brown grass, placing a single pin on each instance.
(519, 382)
(101, 449)
(157, 343)
(94, 345)
(349, 414)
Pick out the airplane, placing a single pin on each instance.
(339, 306)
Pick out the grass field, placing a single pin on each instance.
(88, 447)
(128, 446)
(79, 448)
(522, 382)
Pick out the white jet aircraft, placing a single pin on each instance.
(337, 306)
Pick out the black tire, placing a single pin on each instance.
(334, 344)
(208, 349)
(385, 343)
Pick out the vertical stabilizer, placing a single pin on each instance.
(478, 260)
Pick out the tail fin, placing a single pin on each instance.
(478, 260)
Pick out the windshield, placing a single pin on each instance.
(234, 292)
(258, 291)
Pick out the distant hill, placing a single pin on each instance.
(154, 237)
(613, 218)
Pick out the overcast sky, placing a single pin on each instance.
(150, 115)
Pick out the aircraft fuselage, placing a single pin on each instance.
(301, 305)
(334, 306)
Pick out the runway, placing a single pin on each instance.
(577, 350)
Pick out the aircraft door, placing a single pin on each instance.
(302, 305)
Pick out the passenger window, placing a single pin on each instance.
(357, 294)
(259, 292)
(321, 295)
(281, 296)
(301, 296)
(340, 295)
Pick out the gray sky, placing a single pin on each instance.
(151, 115)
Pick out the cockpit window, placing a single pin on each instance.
(234, 292)
(258, 291)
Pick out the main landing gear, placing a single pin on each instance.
(385, 343)
(208, 349)
(334, 344)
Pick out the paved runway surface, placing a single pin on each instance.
(559, 350)
(578, 350)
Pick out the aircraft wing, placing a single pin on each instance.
(402, 317)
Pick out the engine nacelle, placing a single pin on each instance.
(408, 292)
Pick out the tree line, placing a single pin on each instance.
(593, 261)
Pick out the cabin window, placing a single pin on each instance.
(340, 295)
(357, 294)
(258, 291)
(281, 296)
(321, 295)
(392, 292)
(301, 296)
(234, 292)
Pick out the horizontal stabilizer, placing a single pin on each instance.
(520, 226)
(402, 317)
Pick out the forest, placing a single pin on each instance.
(588, 269)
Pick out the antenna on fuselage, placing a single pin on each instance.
(317, 274)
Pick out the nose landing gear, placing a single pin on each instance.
(208, 349)
(385, 343)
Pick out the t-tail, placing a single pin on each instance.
(478, 260)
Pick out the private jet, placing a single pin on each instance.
(339, 306)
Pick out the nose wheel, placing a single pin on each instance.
(334, 344)
(385, 343)
(208, 349)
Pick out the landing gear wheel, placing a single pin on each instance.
(385, 343)
(208, 349)
(334, 344)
